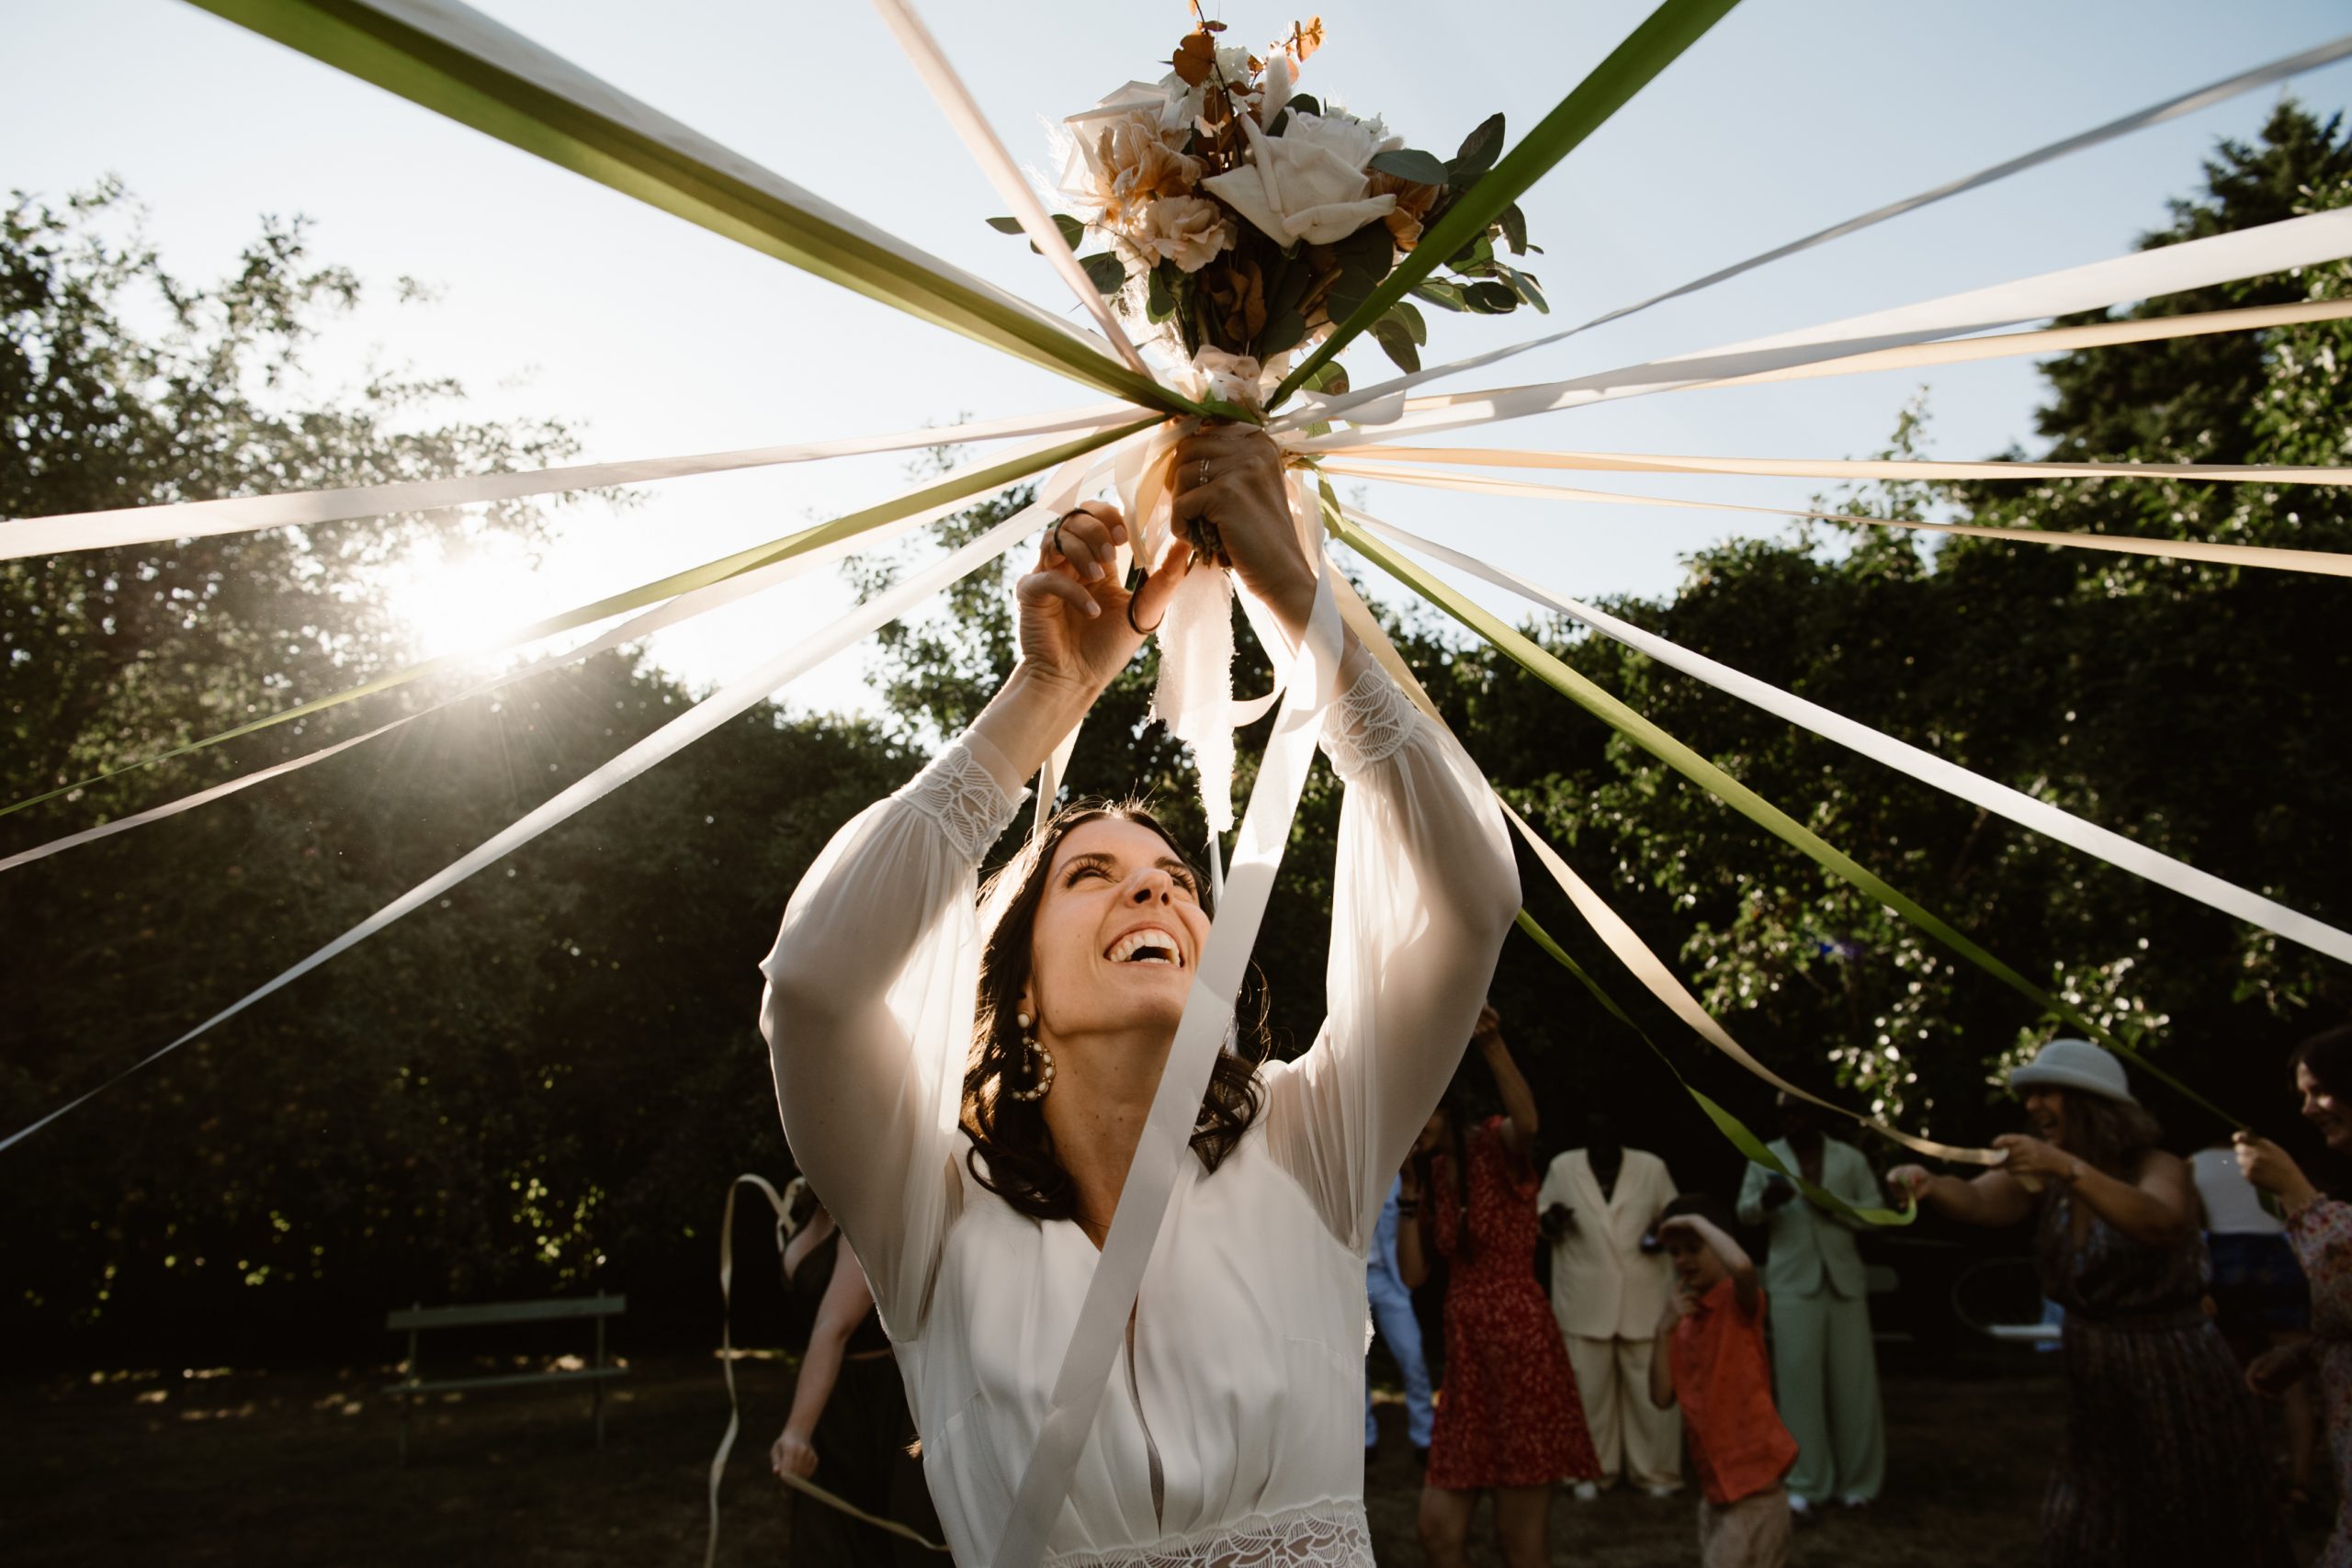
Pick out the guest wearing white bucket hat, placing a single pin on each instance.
(2163, 1460)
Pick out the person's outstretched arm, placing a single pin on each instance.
(868, 1054)
(1995, 1199)
(1518, 1101)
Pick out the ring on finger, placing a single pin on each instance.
(1205, 473)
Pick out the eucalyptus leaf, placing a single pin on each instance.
(1330, 378)
(1105, 271)
(1412, 164)
(1444, 296)
(1305, 103)
(1524, 284)
(1005, 225)
(1285, 331)
(1514, 224)
(1411, 320)
(1494, 298)
(1392, 336)
(1479, 150)
(1073, 232)
(1159, 297)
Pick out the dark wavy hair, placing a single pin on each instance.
(2328, 1054)
(2111, 1135)
(1446, 1187)
(1013, 1149)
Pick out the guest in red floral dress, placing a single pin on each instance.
(1509, 1419)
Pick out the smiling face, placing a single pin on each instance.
(1118, 932)
(2323, 1111)
(2046, 1108)
(1696, 1266)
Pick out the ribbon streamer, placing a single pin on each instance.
(2142, 275)
(720, 707)
(979, 138)
(1167, 1136)
(120, 525)
(2324, 563)
(1023, 463)
(2155, 114)
(1918, 763)
(684, 607)
(1349, 525)
(456, 62)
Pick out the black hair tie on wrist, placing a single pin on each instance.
(1140, 631)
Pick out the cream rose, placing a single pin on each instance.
(1301, 187)
(1187, 229)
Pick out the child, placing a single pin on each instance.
(1709, 1354)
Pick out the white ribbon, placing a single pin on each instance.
(2142, 275)
(979, 138)
(1915, 763)
(2155, 114)
(199, 519)
(721, 706)
(1176, 1104)
(2324, 563)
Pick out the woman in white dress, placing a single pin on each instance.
(969, 1086)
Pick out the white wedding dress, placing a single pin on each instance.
(1230, 1433)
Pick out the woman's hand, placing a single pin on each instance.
(2275, 1371)
(1230, 476)
(791, 1455)
(1073, 626)
(1912, 1180)
(2031, 1156)
(1487, 1032)
(2273, 1170)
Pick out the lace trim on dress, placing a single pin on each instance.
(1325, 1535)
(964, 798)
(1366, 722)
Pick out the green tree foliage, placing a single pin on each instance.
(545, 1082)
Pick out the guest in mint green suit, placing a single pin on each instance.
(1823, 1364)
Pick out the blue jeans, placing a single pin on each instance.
(1392, 1313)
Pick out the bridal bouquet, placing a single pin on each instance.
(1244, 217)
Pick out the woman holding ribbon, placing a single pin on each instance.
(973, 1085)
(2163, 1459)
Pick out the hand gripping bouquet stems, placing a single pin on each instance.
(1240, 219)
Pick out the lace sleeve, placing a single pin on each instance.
(1367, 723)
(1423, 893)
(868, 1015)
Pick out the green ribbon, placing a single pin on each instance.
(1647, 50)
(1681, 756)
(375, 45)
(1733, 1130)
(955, 488)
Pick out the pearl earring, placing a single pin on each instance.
(1040, 1061)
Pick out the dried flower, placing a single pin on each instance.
(1187, 229)
(1414, 200)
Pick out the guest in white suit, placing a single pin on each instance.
(1598, 1203)
(1825, 1364)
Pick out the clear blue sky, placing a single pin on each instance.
(559, 297)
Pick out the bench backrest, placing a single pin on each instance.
(504, 1311)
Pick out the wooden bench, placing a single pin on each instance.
(419, 1318)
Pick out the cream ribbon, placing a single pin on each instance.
(2193, 264)
(1208, 1010)
(2155, 114)
(2324, 563)
(1912, 761)
(963, 112)
(719, 708)
(122, 526)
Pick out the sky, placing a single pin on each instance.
(553, 296)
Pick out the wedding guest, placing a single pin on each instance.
(2163, 1459)
(1229, 1429)
(1825, 1362)
(2260, 1299)
(1392, 1314)
(2320, 1229)
(1710, 1360)
(849, 1430)
(1598, 1205)
(1508, 1421)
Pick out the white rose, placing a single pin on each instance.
(1354, 141)
(1187, 229)
(1297, 187)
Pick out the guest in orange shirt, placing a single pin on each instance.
(1710, 1356)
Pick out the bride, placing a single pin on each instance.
(967, 1081)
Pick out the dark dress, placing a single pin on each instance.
(1509, 1414)
(2164, 1460)
(860, 1440)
